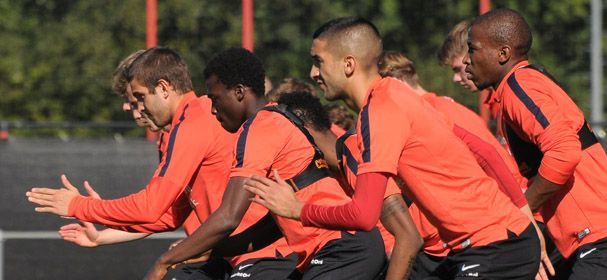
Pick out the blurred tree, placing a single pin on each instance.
(57, 56)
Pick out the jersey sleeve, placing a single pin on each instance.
(382, 132)
(258, 144)
(361, 213)
(184, 155)
(493, 165)
(534, 109)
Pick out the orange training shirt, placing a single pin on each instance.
(539, 112)
(399, 134)
(270, 141)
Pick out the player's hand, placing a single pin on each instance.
(54, 201)
(277, 196)
(157, 272)
(200, 258)
(83, 234)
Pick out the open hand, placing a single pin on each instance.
(84, 233)
(54, 201)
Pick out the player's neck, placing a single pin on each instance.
(254, 104)
(360, 88)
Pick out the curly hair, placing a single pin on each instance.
(340, 116)
(236, 66)
(307, 108)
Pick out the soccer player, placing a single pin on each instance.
(192, 175)
(399, 135)
(549, 138)
(85, 234)
(489, 153)
(268, 140)
(401, 239)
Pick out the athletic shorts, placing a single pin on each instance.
(279, 268)
(214, 269)
(353, 256)
(589, 261)
(424, 265)
(517, 257)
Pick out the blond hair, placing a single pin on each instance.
(456, 43)
(119, 77)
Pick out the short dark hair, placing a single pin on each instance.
(343, 23)
(290, 85)
(161, 63)
(237, 66)
(308, 108)
(507, 26)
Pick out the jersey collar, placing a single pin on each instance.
(496, 95)
(185, 100)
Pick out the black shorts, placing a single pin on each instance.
(517, 257)
(353, 256)
(424, 265)
(279, 268)
(214, 269)
(589, 261)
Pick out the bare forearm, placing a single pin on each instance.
(257, 236)
(539, 192)
(203, 239)
(113, 236)
(397, 220)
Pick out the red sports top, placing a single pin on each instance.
(270, 141)
(399, 134)
(192, 175)
(495, 160)
(541, 113)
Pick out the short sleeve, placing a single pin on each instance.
(382, 133)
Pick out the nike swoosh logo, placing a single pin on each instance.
(582, 255)
(244, 266)
(464, 267)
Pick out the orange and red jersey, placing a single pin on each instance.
(269, 141)
(197, 156)
(399, 134)
(192, 175)
(349, 167)
(533, 111)
(495, 160)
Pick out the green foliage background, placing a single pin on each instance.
(57, 56)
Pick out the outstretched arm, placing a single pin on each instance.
(86, 235)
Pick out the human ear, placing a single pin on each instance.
(349, 65)
(164, 87)
(239, 92)
(504, 54)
